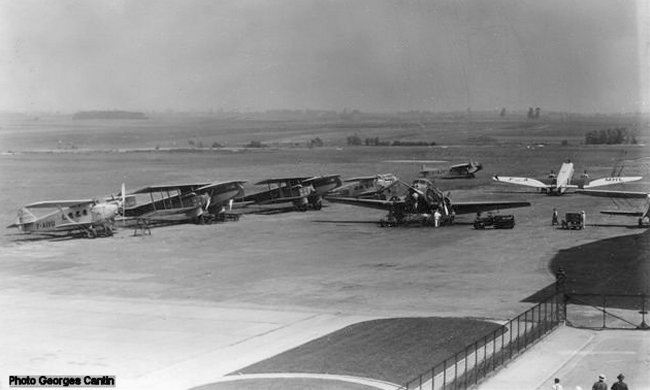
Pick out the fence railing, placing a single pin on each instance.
(469, 366)
(613, 311)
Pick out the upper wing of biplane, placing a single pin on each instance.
(183, 188)
(524, 181)
(219, 185)
(361, 178)
(474, 207)
(284, 180)
(59, 203)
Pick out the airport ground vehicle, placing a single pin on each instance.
(573, 221)
(495, 221)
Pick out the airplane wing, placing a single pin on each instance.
(58, 203)
(283, 180)
(183, 188)
(615, 194)
(369, 203)
(606, 181)
(72, 225)
(361, 178)
(378, 191)
(459, 168)
(524, 181)
(474, 207)
(215, 186)
(622, 212)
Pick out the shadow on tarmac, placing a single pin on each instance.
(615, 266)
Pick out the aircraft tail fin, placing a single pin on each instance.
(24, 217)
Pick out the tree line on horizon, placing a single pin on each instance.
(612, 136)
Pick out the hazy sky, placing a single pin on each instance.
(372, 55)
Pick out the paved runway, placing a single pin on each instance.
(146, 344)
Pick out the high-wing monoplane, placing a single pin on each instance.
(421, 204)
(178, 203)
(302, 192)
(643, 214)
(458, 171)
(558, 184)
(90, 217)
(379, 186)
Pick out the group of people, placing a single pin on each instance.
(600, 384)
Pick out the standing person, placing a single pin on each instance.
(554, 221)
(600, 385)
(583, 217)
(557, 385)
(620, 385)
(436, 218)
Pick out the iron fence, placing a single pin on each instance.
(612, 311)
(469, 366)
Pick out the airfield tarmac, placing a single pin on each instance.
(189, 304)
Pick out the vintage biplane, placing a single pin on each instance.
(86, 217)
(180, 203)
(422, 202)
(458, 171)
(558, 184)
(301, 192)
(643, 214)
(379, 186)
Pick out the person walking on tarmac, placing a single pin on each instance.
(554, 221)
(557, 385)
(620, 385)
(436, 218)
(600, 385)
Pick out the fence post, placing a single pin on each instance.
(455, 370)
(604, 312)
(643, 312)
(444, 374)
(475, 362)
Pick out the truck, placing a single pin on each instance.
(573, 221)
(495, 221)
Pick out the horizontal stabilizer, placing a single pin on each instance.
(606, 181)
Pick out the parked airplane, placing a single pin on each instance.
(179, 203)
(90, 217)
(378, 186)
(643, 214)
(300, 191)
(560, 183)
(421, 203)
(458, 171)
